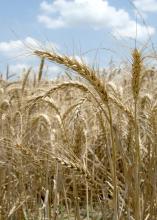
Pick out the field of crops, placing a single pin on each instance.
(81, 147)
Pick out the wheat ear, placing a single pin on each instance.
(86, 72)
(136, 72)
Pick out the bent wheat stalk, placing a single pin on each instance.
(90, 75)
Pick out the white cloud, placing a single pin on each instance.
(14, 47)
(23, 47)
(146, 5)
(96, 14)
(129, 31)
(51, 23)
(48, 8)
(18, 54)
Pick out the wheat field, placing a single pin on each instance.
(81, 148)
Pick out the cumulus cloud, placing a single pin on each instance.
(17, 44)
(146, 5)
(23, 47)
(19, 54)
(48, 8)
(96, 14)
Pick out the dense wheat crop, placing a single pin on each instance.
(79, 149)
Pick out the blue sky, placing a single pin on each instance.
(74, 27)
